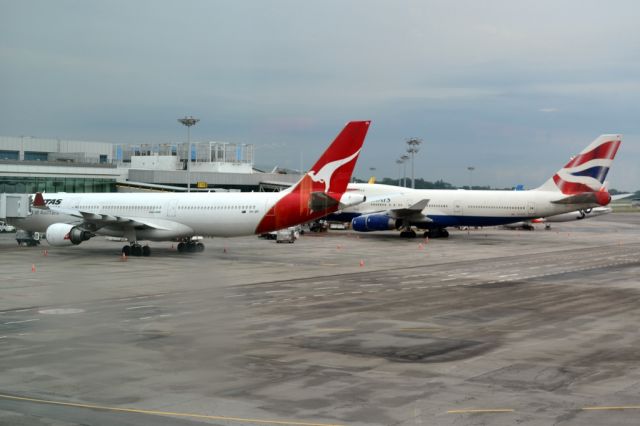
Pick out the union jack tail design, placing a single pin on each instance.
(586, 171)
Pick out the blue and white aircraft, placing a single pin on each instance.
(577, 186)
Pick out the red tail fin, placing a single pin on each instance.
(333, 170)
(318, 192)
(38, 201)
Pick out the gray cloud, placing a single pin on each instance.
(512, 88)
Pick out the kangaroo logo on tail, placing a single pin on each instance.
(587, 171)
(326, 172)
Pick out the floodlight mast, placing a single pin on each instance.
(188, 121)
(471, 169)
(413, 149)
(404, 159)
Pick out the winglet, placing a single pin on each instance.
(38, 201)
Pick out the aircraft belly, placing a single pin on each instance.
(447, 220)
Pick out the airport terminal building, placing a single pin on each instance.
(29, 165)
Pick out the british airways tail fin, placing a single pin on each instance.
(586, 171)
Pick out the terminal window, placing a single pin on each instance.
(9, 155)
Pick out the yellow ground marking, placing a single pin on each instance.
(620, 407)
(164, 413)
(481, 410)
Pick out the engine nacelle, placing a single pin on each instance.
(62, 234)
(349, 199)
(374, 222)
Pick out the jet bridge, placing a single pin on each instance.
(14, 206)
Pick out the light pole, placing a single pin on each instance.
(188, 121)
(404, 159)
(471, 169)
(399, 163)
(413, 143)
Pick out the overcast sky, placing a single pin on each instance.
(513, 88)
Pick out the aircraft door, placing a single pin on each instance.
(171, 208)
(531, 209)
(457, 208)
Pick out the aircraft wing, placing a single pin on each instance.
(99, 220)
(411, 212)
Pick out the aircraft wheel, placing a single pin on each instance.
(181, 247)
(126, 251)
(444, 233)
(136, 250)
(199, 247)
(146, 251)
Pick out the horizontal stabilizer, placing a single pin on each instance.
(621, 196)
(321, 201)
(600, 197)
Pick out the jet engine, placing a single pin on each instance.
(374, 222)
(62, 234)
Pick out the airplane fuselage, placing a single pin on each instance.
(206, 214)
(462, 207)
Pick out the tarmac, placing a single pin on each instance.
(487, 327)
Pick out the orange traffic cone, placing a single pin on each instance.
(361, 262)
(33, 267)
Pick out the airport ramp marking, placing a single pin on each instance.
(165, 413)
(612, 408)
(481, 411)
(20, 322)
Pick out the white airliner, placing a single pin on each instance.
(577, 186)
(568, 217)
(563, 217)
(70, 219)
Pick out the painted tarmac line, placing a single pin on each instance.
(139, 307)
(481, 410)
(166, 413)
(20, 322)
(612, 408)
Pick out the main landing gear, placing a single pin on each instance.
(136, 249)
(408, 233)
(436, 233)
(430, 233)
(190, 247)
